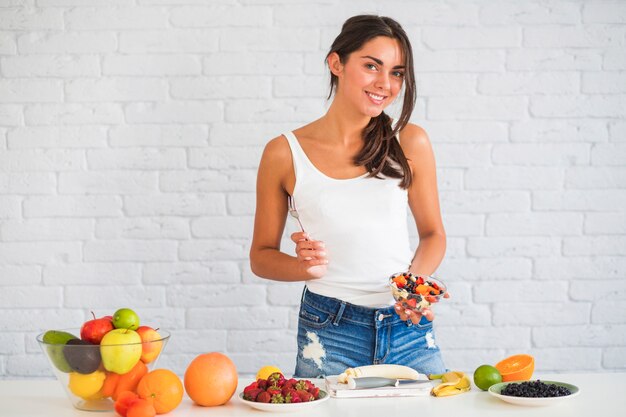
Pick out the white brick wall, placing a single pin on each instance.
(130, 134)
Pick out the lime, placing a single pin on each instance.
(125, 318)
(485, 376)
(266, 371)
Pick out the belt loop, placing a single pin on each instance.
(339, 313)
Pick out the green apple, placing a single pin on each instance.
(55, 340)
(125, 318)
(120, 350)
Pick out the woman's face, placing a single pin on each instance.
(372, 76)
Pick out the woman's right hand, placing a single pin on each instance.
(311, 254)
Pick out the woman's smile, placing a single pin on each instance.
(375, 98)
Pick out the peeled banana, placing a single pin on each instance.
(384, 370)
(452, 383)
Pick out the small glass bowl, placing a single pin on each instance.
(71, 379)
(416, 292)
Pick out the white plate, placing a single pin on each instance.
(497, 388)
(285, 408)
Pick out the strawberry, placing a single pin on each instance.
(315, 391)
(301, 385)
(276, 379)
(277, 399)
(252, 394)
(263, 397)
(252, 386)
(273, 390)
(295, 398)
(305, 395)
(262, 383)
(411, 302)
(309, 384)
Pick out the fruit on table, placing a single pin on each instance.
(94, 330)
(486, 376)
(162, 388)
(278, 390)
(120, 350)
(56, 340)
(125, 318)
(152, 344)
(82, 356)
(266, 371)
(211, 379)
(385, 371)
(516, 368)
(141, 408)
(535, 389)
(452, 383)
(124, 401)
(86, 386)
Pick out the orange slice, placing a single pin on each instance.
(516, 368)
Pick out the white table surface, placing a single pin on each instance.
(601, 395)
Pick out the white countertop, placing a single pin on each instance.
(601, 395)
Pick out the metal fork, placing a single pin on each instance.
(293, 211)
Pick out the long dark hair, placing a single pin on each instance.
(381, 153)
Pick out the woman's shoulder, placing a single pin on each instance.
(277, 149)
(413, 139)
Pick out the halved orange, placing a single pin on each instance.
(516, 368)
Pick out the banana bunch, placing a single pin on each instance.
(452, 383)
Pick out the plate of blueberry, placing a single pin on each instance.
(533, 393)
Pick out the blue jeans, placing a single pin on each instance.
(334, 335)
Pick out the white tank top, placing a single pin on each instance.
(363, 223)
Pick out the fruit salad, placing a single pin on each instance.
(416, 292)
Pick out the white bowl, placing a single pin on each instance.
(497, 388)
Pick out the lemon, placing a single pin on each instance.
(86, 386)
(485, 376)
(266, 371)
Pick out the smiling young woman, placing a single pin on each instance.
(352, 174)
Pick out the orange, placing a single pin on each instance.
(211, 379)
(129, 380)
(516, 368)
(163, 388)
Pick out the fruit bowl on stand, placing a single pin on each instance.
(416, 292)
(93, 374)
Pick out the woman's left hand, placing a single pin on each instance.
(415, 317)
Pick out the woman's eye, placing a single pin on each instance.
(370, 66)
(399, 74)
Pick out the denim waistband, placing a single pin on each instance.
(342, 310)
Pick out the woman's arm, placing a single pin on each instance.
(424, 201)
(424, 204)
(266, 259)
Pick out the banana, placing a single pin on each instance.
(452, 383)
(385, 371)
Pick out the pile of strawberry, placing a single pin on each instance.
(278, 390)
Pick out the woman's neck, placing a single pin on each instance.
(343, 124)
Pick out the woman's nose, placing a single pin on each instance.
(383, 81)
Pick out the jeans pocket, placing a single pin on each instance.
(312, 317)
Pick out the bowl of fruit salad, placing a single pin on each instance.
(98, 361)
(416, 292)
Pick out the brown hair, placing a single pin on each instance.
(381, 153)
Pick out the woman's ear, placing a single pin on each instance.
(334, 63)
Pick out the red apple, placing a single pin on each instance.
(150, 347)
(94, 330)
